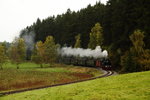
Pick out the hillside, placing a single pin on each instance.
(119, 19)
(133, 86)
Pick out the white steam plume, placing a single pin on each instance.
(96, 53)
(29, 40)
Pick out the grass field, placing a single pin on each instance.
(134, 86)
(30, 75)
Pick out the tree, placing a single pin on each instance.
(144, 60)
(142, 55)
(40, 54)
(137, 41)
(92, 41)
(2, 56)
(96, 36)
(128, 62)
(137, 58)
(45, 52)
(36, 55)
(18, 51)
(50, 50)
(138, 47)
(78, 41)
(4, 44)
(118, 17)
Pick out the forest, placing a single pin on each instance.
(119, 20)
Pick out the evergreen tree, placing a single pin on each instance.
(128, 62)
(119, 19)
(78, 41)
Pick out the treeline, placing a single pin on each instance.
(137, 58)
(43, 53)
(14, 52)
(118, 18)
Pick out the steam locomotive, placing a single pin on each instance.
(103, 63)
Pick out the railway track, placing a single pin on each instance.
(106, 74)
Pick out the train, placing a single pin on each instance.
(103, 63)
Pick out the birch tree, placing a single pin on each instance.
(2, 56)
(18, 51)
(96, 36)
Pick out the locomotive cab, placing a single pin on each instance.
(107, 64)
(103, 63)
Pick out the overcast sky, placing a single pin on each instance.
(17, 14)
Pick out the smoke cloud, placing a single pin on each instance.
(29, 39)
(96, 53)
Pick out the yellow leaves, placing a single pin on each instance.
(78, 41)
(3, 57)
(47, 51)
(144, 60)
(2, 54)
(17, 51)
(137, 41)
(40, 48)
(139, 54)
(96, 36)
(51, 50)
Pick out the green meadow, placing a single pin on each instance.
(30, 75)
(133, 86)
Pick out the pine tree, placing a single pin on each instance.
(128, 62)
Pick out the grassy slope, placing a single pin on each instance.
(134, 86)
(29, 66)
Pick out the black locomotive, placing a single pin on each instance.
(103, 63)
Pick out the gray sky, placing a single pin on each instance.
(17, 14)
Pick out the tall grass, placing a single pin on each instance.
(30, 75)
